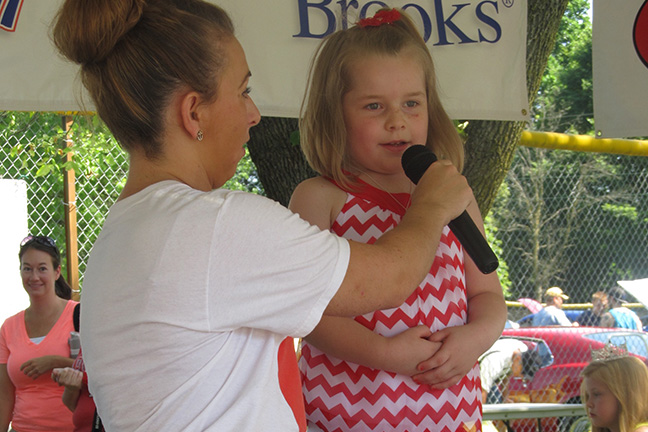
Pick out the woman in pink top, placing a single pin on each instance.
(35, 341)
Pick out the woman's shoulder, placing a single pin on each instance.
(70, 305)
(15, 319)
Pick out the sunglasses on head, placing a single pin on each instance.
(43, 240)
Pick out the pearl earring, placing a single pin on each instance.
(199, 135)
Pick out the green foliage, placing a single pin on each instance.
(294, 138)
(246, 177)
(34, 149)
(28, 154)
(496, 245)
(564, 101)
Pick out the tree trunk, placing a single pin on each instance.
(280, 164)
(490, 145)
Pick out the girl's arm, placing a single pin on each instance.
(317, 201)
(72, 379)
(7, 398)
(349, 340)
(462, 345)
(37, 366)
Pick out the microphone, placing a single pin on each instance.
(416, 161)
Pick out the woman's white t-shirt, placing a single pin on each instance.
(186, 299)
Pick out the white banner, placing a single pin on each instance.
(479, 49)
(620, 68)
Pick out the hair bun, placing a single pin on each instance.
(87, 31)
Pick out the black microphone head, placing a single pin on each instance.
(416, 160)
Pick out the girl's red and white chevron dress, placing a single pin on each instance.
(344, 396)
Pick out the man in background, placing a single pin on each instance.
(552, 314)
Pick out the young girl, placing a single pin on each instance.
(615, 393)
(372, 95)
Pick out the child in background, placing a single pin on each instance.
(615, 392)
(372, 95)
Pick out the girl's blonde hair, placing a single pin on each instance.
(627, 379)
(322, 126)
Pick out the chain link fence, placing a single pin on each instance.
(33, 149)
(571, 219)
(575, 220)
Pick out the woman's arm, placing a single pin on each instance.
(319, 202)
(462, 345)
(384, 274)
(607, 320)
(7, 398)
(37, 366)
(72, 379)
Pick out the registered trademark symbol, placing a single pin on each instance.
(508, 3)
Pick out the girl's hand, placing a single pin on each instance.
(454, 359)
(37, 366)
(406, 350)
(68, 377)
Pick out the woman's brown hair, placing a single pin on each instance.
(135, 54)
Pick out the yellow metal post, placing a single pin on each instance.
(584, 143)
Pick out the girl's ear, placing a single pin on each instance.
(190, 113)
(57, 273)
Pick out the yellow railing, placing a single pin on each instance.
(584, 143)
(515, 304)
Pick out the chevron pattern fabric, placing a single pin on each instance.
(344, 396)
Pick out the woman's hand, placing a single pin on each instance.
(37, 366)
(68, 377)
(72, 379)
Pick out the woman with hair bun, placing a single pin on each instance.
(35, 341)
(192, 293)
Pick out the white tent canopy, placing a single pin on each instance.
(637, 288)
